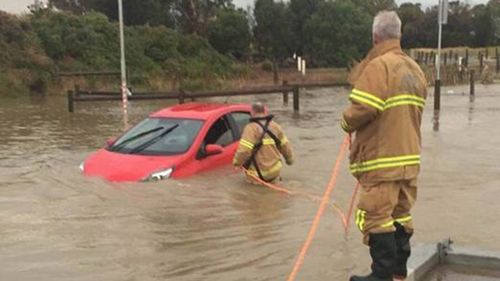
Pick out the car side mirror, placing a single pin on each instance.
(110, 142)
(213, 149)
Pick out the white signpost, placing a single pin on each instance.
(124, 89)
(442, 19)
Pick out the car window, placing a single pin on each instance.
(220, 133)
(150, 134)
(241, 119)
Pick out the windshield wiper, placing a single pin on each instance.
(153, 140)
(138, 136)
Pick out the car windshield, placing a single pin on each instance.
(158, 136)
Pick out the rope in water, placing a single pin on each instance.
(324, 201)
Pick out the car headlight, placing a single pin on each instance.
(161, 175)
(82, 166)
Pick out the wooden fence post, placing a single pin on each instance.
(77, 90)
(285, 92)
(296, 105)
(181, 96)
(466, 62)
(481, 62)
(71, 102)
(498, 60)
(472, 90)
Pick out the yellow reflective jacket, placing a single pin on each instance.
(268, 157)
(387, 102)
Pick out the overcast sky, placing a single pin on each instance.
(16, 6)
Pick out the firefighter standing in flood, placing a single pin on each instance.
(387, 102)
(261, 145)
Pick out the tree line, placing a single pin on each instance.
(326, 32)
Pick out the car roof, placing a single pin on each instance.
(200, 111)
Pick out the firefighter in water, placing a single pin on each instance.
(385, 115)
(261, 146)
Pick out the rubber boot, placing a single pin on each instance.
(403, 251)
(383, 253)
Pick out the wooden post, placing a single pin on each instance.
(275, 72)
(445, 58)
(437, 95)
(285, 92)
(433, 58)
(182, 95)
(472, 90)
(486, 53)
(296, 105)
(456, 57)
(481, 62)
(77, 90)
(498, 60)
(466, 62)
(450, 55)
(71, 102)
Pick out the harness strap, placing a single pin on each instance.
(256, 148)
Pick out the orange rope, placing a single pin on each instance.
(319, 213)
(312, 197)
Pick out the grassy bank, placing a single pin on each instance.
(35, 48)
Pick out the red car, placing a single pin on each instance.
(175, 142)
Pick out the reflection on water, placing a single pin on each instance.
(57, 225)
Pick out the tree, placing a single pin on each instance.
(193, 16)
(301, 10)
(374, 6)
(273, 32)
(494, 6)
(484, 31)
(229, 33)
(412, 19)
(337, 33)
(459, 30)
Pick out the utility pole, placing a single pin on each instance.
(123, 87)
(442, 19)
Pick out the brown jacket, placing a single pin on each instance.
(387, 102)
(268, 157)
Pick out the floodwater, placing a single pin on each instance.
(461, 273)
(56, 224)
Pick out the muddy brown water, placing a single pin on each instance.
(56, 224)
(461, 273)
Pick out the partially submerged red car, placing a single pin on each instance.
(175, 142)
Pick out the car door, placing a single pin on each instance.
(222, 133)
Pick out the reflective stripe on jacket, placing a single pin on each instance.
(387, 102)
(268, 157)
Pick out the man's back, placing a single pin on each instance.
(388, 101)
(269, 148)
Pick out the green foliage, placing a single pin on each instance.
(412, 20)
(136, 12)
(273, 31)
(494, 7)
(374, 6)
(23, 64)
(40, 44)
(229, 33)
(267, 65)
(338, 33)
(301, 11)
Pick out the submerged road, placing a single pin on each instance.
(56, 224)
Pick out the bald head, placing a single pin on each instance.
(258, 109)
(386, 26)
